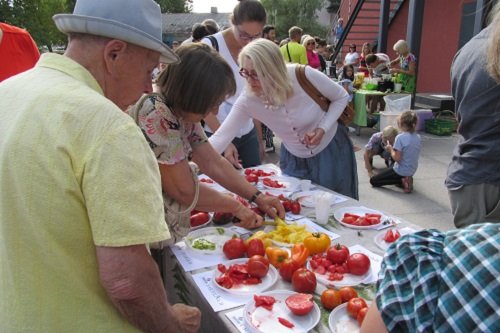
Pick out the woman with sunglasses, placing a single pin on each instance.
(170, 121)
(315, 145)
(314, 59)
(247, 21)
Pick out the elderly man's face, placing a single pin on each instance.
(131, 76)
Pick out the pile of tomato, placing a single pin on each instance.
(292, 206)
(362, 221)
(272, 183)
(250, 272)
(300, 304)
(253, 175)
(331, 298)
(338, 261)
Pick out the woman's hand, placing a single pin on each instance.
(248, 218)
(270, 205)
(314, 138)
(231, 154)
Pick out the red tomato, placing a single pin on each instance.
(199, 219)
(362, 222)
(389, 236)
(354, 305)
(358, 263)
(304, 281)
(256, 247)
(337, 254)
(295, 207)
(330, 298)
(222, 218)
(264, 301)
(349, 219)
(300, 304)
(347, 293)
(248, 171)
(373, 220)
(252, 178)
(258, 266)
(287, 268)
(287, 205)
(396, 234)
(285, 322)
(361, 315)
(234, 248)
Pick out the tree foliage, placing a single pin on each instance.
(36, 16)
(287, 13)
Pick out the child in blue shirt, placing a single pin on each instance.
(405, 153)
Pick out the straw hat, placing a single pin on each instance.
(137, 22)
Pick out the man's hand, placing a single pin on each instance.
(188, 318)
(248, 218)
(231, 154)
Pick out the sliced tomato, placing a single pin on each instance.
(265, 301)
(373, 215)
(373, 220)
(349, 219)
(285, 322)
(353, 215)
(396, 234)
(300, 304)
(389, 236)
(225, 281)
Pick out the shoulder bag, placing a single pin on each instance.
(177, 216)
(300, 71)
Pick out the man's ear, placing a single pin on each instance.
(114, 52)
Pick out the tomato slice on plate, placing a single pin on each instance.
(285, 322)
(265, 301)
(300, 304)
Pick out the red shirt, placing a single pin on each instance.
(18, 51)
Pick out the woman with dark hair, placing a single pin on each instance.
(170, 120)
(247, 21)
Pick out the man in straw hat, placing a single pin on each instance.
(81, 195)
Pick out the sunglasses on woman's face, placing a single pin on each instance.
(311, 43)
(246, 74)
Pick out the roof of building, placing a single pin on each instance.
(182, 23)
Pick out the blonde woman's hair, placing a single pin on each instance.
(389, 132)
(408, 121)
(307, 39)
(401, 47)
(493, 52)
(270, 67)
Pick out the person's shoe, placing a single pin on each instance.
(407, 184)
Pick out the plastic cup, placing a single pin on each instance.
(323, 201)
(305, 185)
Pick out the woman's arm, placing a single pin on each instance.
(373, 322)
(395, 154)
(212, 122)
(334, 92)
(220, 170)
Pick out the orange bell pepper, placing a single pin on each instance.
(300, 254)
(317, 243)
(276, 255)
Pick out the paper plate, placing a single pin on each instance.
(361, 211)
(247, 289)
(260, 320)
(289, 183)
(306, 198)
(215, 235)
(349, 280)
(340, 321)
(379, 238)
(211, 216)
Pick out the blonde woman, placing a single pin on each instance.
(407, 65)
(315, 146)
(313, 58)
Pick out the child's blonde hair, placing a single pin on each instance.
(389, 132)
(407, 121)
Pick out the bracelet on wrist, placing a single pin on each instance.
(254, 197)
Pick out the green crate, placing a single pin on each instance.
(439, 127)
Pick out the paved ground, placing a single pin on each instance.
(428, 205)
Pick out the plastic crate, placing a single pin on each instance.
(441, 127)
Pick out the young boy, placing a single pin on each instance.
(376, 146)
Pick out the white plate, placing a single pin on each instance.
(340, 321)
(379, 238)
(306, 198)
(269, 168)
(361, 211)
(349, 280)
(211, 216)
(260, 320)
(248, 289)
(289, 183)
(217, 235)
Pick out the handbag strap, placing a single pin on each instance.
(310, 89)
(192, 167)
